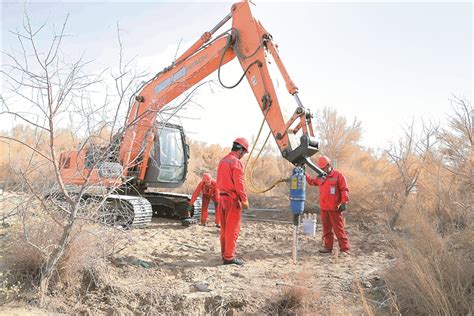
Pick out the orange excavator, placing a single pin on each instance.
(148, 154)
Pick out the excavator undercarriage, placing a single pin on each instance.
(131, 210)
(168, 205)
(137, 211)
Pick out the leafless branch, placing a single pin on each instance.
(28, 146)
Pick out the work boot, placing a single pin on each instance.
(325, 250)
(236, 261)
(344, 253)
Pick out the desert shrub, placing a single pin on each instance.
(433, 275)
(15, 156)
(291, 301)
(29, 244)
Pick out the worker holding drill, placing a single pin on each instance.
(209, 191)
(232, 199)
(333, 199)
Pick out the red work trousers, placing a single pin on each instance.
(205, 207)
(334, 220)
(231, 215)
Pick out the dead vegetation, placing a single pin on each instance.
(29, 245)
(431, 237)
(416, 196)
(433, 274)
(42, 86)
(291, 301)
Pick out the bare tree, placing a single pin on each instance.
(458, 139)
(457, 144)
(338, 137)
(409, 155)
(42, 88)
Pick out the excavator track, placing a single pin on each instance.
(127, 211)
(174, 206)
(117, 210)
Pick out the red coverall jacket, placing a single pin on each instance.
(332, 192)
(209, 192)
(230, 183)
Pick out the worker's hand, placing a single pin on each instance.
(190, 208)
(342, 207)
(245, 205)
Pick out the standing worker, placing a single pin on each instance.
(232, 199)
(333, 199)
(209, 191)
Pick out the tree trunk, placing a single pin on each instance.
(393, 222)
(51, 264)
(394, 219)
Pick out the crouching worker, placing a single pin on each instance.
(232, 199)
(333, 199)
(209, 191)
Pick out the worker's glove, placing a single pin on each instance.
(342, 207)
(245, 205)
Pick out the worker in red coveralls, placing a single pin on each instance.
(209, 192)
(232, 199)
(333, 199)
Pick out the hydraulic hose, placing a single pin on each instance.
(228, 44)
(249, 176)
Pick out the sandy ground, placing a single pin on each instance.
(172, 260)
(166, 268)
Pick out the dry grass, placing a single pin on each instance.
(291, 301)
(433, 275)
(363, 298)
(26, 251)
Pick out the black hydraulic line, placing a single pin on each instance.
(239, 54)
(228, 45)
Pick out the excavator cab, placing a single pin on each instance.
(169, 154)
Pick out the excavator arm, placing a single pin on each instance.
(249, 42)
(146, 153)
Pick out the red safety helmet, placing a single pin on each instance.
(206, 177)
(323, 161)
(242, 142)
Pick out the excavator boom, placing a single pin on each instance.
(146, 153)
(249, 42)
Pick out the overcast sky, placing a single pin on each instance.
(384, 63)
